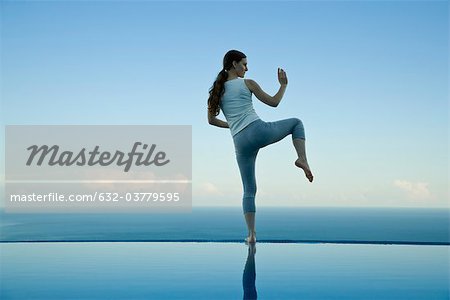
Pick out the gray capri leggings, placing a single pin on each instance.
(247, 143)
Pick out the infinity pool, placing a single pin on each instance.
(173, 270)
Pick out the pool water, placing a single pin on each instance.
(174, 270)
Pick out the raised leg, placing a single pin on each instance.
(273, 132)
(302, 161)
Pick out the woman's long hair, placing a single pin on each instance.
(217, 89)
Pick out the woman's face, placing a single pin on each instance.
(241, 67)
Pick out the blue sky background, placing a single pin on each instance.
(369, 80)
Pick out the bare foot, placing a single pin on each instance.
(304, 165)
(251, 238)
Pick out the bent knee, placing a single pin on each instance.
(299, 130)
(298, 121)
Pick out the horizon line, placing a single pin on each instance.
(265, 241)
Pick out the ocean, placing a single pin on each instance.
(227, 224)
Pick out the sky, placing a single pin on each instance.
(369, 80)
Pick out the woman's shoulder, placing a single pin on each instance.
(251, 84)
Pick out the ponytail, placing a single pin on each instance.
(216, 92)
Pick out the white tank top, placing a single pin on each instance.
(236, 104)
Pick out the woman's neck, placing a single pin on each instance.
(232, 78)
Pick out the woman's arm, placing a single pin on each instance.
(263, 96)
(216, 122)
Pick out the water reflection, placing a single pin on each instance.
(249, 276)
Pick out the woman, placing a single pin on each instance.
(233, 95)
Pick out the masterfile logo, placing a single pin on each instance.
(98, 168)
(68, 158)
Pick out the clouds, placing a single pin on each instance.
(414, 190)
(207, 189)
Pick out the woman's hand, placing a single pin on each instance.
(282, 78)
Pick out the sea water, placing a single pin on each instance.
(340, 225)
